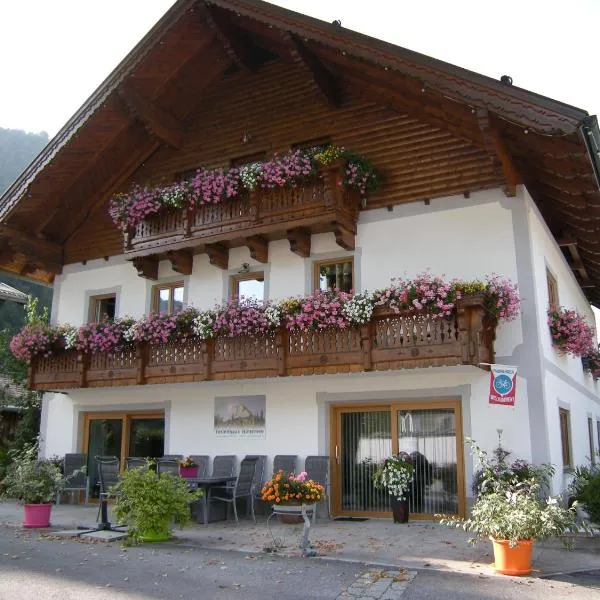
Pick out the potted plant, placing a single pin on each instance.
(35, 484)
(513, 514)
(395, 474)
(188, 468)
(149, 504)
(289, 489)
(585, 489)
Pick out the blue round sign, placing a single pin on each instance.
(503, 384)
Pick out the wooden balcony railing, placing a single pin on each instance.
(390, 341)
(323, 205)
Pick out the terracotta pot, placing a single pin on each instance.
(36, 515)
(515, 560)
(188, 471)
(400, 510)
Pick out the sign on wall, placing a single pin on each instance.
(240, 416)
(503, 385)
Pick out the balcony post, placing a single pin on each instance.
(141, 356)
(281, 342)
(472, 326)
(83, 363)
(188, 220)
(207, 356)
(366, 343)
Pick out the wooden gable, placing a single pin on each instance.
(210, 73)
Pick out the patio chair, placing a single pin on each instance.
(259, 473)
(317, 469)
(108, 475)
(285, 462)
(242, 489)
(172, 457)
(135, 462)
(224, 466)
(167, 465)
(203, 462)
(74, 469)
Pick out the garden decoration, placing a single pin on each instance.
(395, 474)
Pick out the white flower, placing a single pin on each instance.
(70, 335)
(395, 475)
(129, 332)
(204, 325)
(273, 314)
(249, 174)
(359, 309)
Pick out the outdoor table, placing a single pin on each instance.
(207, 483)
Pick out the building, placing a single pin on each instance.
(479, 177)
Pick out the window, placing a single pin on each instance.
(168, 298)
(591, 440)
(565, 437)
(552, 290)
(335, 274)
(248, 285)
(102, 307)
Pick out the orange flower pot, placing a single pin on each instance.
(515, 560)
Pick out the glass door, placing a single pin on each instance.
(365, 438)
(146, 437)
(105, 438)
(431, 437)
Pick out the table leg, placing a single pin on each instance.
(205, 504)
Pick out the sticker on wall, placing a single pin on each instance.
(240, 416)
(503, 385)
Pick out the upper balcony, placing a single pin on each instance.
(324, 205)
(390, 341)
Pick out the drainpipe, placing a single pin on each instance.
(589, 131)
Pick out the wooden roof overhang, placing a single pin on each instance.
(551, 147)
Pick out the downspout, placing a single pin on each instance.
(589, 131)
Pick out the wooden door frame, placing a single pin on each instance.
(393, 406)
(125, 417)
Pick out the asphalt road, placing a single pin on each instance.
(34, 568)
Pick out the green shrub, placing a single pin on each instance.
(32, 481)
(590, 498)
(149, 504)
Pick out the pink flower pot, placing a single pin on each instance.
(36, 515)
(188, 471)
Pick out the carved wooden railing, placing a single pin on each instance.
(389, 341)
(322, 202)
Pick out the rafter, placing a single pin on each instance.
(28, 244)
(299, 239)
(182, 261)
(147, 267)
(259, 248)
(159, 123)
(218, 255)
(327, 83)
(237, 43)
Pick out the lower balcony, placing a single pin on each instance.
(389, 341)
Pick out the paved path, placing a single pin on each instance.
(33, 567)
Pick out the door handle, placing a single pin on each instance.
(337, 454)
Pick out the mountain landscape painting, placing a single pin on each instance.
(240, 416)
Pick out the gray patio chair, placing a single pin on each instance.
(172, 457)
(74, 469)
(167, 465)
(108, 475)
(285, 462)
(224, 466)
(203, 462)
(242, 489)
(259, 473)
(135, 462)
(317, 469)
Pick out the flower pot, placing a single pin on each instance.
(400, 510)
(188, 471)
(36, 515)
(162, 535)
(515, 560)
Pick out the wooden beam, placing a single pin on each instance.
(159, 123)
(259, 248)
(327, 83)
(299, 239)
(147, 267)
(182, 261)
(236, 42)
(218, 255)
(498, 153)
(344, 237)
(28, 244)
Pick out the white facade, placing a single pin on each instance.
(454, 236)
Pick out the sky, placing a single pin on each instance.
(55, 53)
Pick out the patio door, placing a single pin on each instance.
(430, 433)
(121, 435)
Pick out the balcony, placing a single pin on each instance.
(389, 341)
(322, 206)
